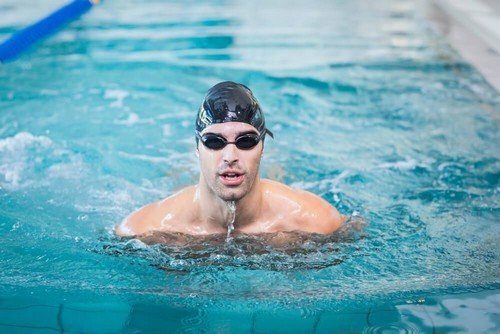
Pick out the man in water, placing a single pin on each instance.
(230, 132)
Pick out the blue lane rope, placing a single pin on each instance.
(23, 39)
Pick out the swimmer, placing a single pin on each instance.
(230, 133)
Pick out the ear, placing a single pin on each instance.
(197, 151)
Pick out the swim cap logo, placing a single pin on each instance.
(203, 116)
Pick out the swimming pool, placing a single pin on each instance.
(372, 111)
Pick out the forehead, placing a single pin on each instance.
(229, 128)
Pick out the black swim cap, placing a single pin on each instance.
(230, 102)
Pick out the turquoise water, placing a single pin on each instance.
(370, 108)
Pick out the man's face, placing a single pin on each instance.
(230, 172)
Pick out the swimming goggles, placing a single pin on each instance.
(243, 142)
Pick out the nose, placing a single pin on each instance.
(230, 154)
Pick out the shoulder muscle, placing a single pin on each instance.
(138, 222)
(317, 215)
(311, 213)
(150, 217)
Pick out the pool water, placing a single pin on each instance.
(371, 109)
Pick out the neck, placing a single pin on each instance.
(217, 212)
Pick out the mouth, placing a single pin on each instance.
(231, 179)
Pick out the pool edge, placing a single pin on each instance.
(470, 28)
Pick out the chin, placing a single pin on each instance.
(232, 195)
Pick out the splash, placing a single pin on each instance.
(230, 227)
(18, 158)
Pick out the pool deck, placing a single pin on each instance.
(473, 29)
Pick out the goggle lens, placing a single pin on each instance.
(244, 142)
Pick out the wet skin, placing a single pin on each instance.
(232, 174)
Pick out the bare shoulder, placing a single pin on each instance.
(306, 211)
(156, 216)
